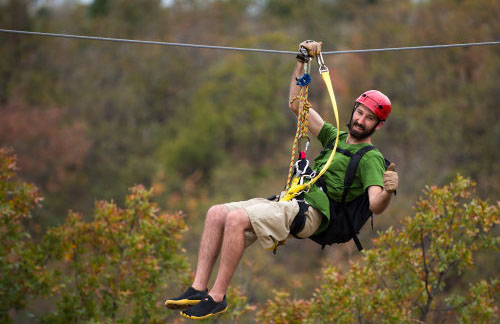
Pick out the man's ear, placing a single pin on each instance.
(380, 124)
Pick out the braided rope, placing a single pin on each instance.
(302, 127)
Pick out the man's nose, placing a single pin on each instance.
(361, 120)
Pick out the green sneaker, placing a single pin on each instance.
(207, 307)
(189, 298)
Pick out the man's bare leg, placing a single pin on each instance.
(237, 221)
(210, 245)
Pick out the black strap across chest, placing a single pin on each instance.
(350, 172)
(348, 179)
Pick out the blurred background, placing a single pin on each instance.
(90, 119)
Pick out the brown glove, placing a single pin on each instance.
(390, 179)
(313, 48)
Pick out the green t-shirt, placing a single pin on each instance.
(370, 171)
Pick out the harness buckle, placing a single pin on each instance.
(299, 171)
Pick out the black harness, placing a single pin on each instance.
(346, 219)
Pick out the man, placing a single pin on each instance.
(229, 228)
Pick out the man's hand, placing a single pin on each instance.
(390, 179)
(313, 48)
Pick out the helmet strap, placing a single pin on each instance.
(349, 124)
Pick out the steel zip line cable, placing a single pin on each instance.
(122, 40)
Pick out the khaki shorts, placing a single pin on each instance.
(271, 220)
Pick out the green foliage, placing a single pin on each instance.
(477, 305)
(239, 310)
(283, 310)
(99, 8)
(21, 271)
(403, 279)
(115, 268)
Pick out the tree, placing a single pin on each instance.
(22, 273)
(405, 277)
(116, 267)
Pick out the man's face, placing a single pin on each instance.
(364, 123)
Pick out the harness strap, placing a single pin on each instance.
(300, 219)
(348, 179)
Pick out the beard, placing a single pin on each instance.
(360, 135)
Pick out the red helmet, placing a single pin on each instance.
(377, 102)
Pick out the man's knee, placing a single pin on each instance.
(238, 219)
(217, 214)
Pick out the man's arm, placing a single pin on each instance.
(380, 197)
(315, 120)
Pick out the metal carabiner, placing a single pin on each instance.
(307, 143)
(321, 63)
